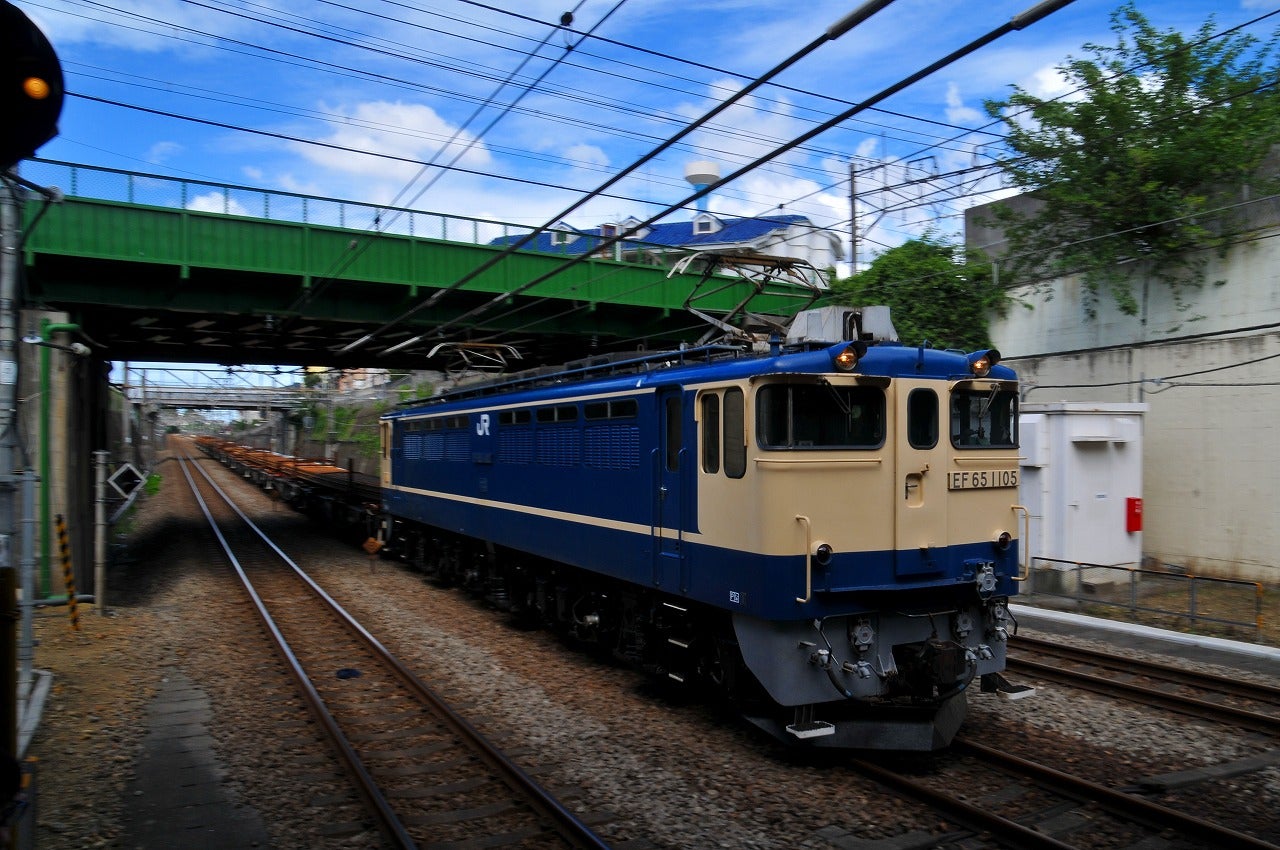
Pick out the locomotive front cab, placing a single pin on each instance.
(889, 504)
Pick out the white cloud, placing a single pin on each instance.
(217, 202)
(162, 151)
(1048, 82)
(868, 147)
(957, 112)
(414, 134)
(147, 26)
(586, 155)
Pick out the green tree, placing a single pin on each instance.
(1160, 134)
(935, 293)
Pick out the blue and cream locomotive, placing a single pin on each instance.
(825, 530)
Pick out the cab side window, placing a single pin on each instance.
(922, 419)
(735, 433)
(711, 433)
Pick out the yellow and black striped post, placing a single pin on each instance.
(64, 549)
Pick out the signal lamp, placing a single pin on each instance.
(1003, 541)
(980, 362)
(30, 87)
(36, 88)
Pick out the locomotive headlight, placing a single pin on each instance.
(980, 362)
(846, 359)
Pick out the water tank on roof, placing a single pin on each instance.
(700, 175)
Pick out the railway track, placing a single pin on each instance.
(1236, 702)
(1039, 807)
(426, 775)
(1032, 806)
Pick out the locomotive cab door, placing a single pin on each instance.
(669, 460)
(384, 463)
(920, 515)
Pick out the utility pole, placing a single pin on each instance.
(853, 218)
(9, 243)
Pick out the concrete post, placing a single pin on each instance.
(10, 238)
(100, 530)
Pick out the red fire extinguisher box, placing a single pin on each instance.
(1132, 514)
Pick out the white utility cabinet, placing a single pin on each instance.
(1081, 482)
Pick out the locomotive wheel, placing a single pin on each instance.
(719, 665)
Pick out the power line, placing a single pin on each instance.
(274, 54)
(350, 257)
(1019, 22)
(833, 32)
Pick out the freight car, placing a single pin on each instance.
(823, 531)
(346, 502)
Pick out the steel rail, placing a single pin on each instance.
(976, 817)
(388, 823)
(567, 825)
(1108, 686)
(1120, 803)
(1236, 687)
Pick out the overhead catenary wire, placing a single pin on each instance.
(407, 6)
(1018, 22)
(906, 204)
(350, 257)
(382, 78)
(793, 202)
(1001, 163)
(833, 32)
(987, 167)
(275, 54)
(920, 203)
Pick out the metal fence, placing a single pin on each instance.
(110, 184)
(1170, 594)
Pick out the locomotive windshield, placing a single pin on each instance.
(813, 416)
(984, 419)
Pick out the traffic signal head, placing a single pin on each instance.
(30, 86)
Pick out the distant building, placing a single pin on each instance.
(355, 380)
(663, 244)
(1204, 361)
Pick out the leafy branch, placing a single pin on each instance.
(1160, 134)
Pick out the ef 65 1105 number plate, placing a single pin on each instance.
(981, 479)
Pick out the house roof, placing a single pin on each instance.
(676, 234)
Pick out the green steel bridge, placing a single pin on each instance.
(155, 269)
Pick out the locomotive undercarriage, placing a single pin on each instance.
(686, 644)
(885, 690)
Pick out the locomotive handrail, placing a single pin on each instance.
(808, 558)
(620, 363)
(1026, 542)
(812, 460)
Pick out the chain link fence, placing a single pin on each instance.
(1168, 597)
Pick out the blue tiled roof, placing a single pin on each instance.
(676, 234)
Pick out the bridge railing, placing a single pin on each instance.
(112, 184)
(218, 398)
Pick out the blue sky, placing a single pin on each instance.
(401, 78)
